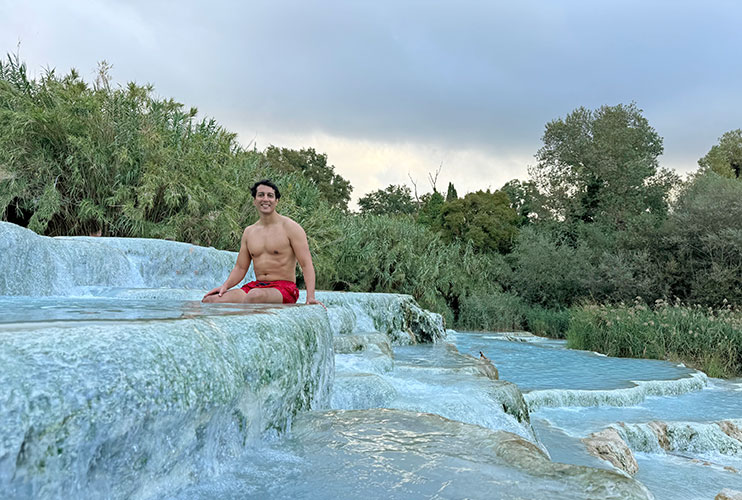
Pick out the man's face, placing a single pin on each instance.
(265, 199)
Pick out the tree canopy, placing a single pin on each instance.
(602, 166)
(451, 193)
(485, 219)
(725, 158)
(525, 199)
(431, 205)
(313, 165)
(394, 200)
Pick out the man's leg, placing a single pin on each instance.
(264, 296)
(236, 295)
(254, 296)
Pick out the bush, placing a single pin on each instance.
(495, 312)
(549, 270)
(705, 236)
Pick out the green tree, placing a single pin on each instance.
(334, 188)
(78, 159)
(394, 200)
(602, 166)
(483, 218)
(451, 193)
(431, 205)
(725, 158)
(705, 237)
(524, 199)
(550, 270)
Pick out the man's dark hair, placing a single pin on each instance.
(265, 182)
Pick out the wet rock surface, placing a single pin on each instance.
(608, 445)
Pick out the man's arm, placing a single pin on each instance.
(298, 240)
(238, 272)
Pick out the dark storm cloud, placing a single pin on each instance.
(484, 75)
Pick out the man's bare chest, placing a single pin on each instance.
(263, 242)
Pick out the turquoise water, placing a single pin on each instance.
(421, 423)
(693, 473)
(113, 387)
(393, 454)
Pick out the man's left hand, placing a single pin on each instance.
(315, 301)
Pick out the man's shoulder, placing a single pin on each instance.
(288, 221)
(249, 229)
(291, 225)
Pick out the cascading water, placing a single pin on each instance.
(683, 428)
(119, 383)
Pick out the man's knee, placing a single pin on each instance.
(264, 296)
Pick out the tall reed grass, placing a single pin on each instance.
(708, 339)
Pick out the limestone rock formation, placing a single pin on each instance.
(727, 494)
(608, 445)
(347, 344)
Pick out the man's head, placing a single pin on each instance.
(265, 182)
(265, 196)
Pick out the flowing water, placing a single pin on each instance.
(392, 454)
(117, 382)
(634, 392)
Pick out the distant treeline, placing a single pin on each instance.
(598, 222)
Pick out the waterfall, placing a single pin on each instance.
(36, 265)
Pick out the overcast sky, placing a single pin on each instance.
(393, 89)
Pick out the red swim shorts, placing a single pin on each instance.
(287, 288)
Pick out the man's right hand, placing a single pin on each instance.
(220, 290)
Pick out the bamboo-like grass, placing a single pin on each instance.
(704, 338)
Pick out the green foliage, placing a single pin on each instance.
(492, 312)
(707, 339)
(545, 322)
(704, 236)
(602, 166)
(334, 188)
(451, 193)
(431, 206)
(394, 200)
(78, 159)
(485, 219)
(549, 270)
(395, 254)
(725, 158)
(525, 199)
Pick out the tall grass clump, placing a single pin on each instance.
(708, 339)
(546, 322)
(397, 255)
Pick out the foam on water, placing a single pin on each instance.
(695, 438)
(430, 379)
(715, 402)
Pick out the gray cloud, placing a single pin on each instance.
(482, 75)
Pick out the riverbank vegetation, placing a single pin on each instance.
(598, 222)
(705, 338)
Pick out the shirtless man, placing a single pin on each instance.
(274, 244)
